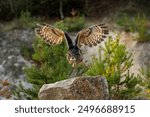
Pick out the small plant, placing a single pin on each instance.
(71, 24)
(50, 65)
(124, 22)
(145, 74)
(114, 62)
(61, 25)
(26, 51)
(26, 20)
(137, 23)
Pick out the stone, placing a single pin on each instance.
(12, 61)
(78, 88)
(2, 69)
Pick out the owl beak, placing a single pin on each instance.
(73, 65)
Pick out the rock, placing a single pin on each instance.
(78, 88)
(2, 69)
(12, 61)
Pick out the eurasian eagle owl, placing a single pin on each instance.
(90, 36)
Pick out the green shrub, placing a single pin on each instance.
(124, 22)
(26, 51)
(71, 24)
(25, 20)
(137, 23)
(114, 62)
(48, 67)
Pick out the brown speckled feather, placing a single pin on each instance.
(91, 36)
(50, 34)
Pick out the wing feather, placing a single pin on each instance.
(50, 34)
(92, 35)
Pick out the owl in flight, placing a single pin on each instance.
(90, 36)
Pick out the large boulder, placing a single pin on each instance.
(78, 88)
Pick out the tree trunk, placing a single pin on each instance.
(11, 6)
(61, 9)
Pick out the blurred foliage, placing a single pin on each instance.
(10, 9)
(24, 21)
(138, 23)
(114, 62)
(71, 23)
(26, 51)
(22, 93)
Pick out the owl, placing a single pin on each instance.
(90, 36)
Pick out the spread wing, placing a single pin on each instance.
(50, 34)
(91, 36)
